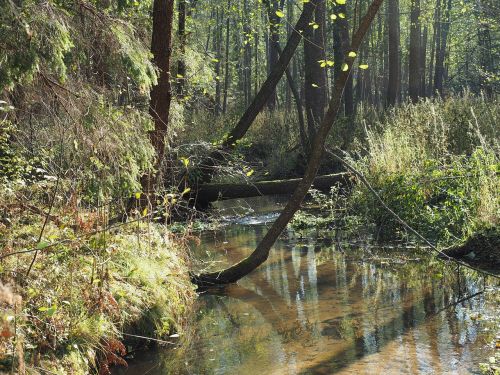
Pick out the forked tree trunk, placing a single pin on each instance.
(261, 253)
(161, 93)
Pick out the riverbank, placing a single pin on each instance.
(73, 289)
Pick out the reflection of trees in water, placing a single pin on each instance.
(344, 309)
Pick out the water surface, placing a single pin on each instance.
(319, 308)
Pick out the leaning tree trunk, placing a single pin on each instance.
(261, 253)
(161, 93)
(208, 166)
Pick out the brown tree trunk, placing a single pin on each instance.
(414, 57)
(394, 61)
(441, 51)
(261, 253)
(315, 74)
(226, 60)
(181, 33)
(161, 93)
(274, 38)
(423, 55)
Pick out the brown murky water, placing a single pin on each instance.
(316, 309)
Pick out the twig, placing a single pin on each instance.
(43, 227)
(149, 338)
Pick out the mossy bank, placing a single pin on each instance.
(73, 289)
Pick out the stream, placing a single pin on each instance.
(319, 308)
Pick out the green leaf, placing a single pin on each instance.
(280, 14)
(42, 245)
(340, 2)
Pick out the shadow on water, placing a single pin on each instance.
(314, 310)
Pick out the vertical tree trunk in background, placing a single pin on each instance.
(434, 43)
(315, 75)
(441, 50)
(161, 93)
(181, 33)
(341, 49)
(218, 55)
(423, 55)
(394, 83)
(261, 253)
(414, 56)
(247, 53)
(274, 38)
(226, 59)
(485, 50)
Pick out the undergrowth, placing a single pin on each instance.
(90, 285)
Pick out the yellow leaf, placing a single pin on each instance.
(314, 85)
(333, 17)
(315, 26)
(340, 2)
(250, 172)
(352, 54)
(137, 195)
(363, 66)
(280, 14)
(186, 190)
(145, 212)
(341, 15)
(345, 67)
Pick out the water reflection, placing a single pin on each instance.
(314, 310)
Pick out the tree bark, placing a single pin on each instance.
(441, 51)
(394, 61)
(161, 93)
(213, 192)
(261, 253)
(226, 59)
(315, 74)
(414, 58)
(181, 33)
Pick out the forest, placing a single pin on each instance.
(249, 186)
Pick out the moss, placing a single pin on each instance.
(87, 287)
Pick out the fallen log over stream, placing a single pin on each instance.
(213, 192)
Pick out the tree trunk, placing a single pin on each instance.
(213, 192)
(274, 38)
(261, 253)
(394, 61)
(218, 54)
(181, 33)
(441, 51)
(226, 59)
(315, 74)
(434, 43)
(414, 57)
(423, 55)
(161, 93)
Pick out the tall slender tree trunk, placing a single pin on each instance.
(394, 83)
(340, 51)
(414, 57)
(161, 93)
(423, 55)
(261, 253)
(441, 51)
(315, 74)
(226, 59)
(181, 33)
(218, 53)
(274, 38)
(434, 43)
